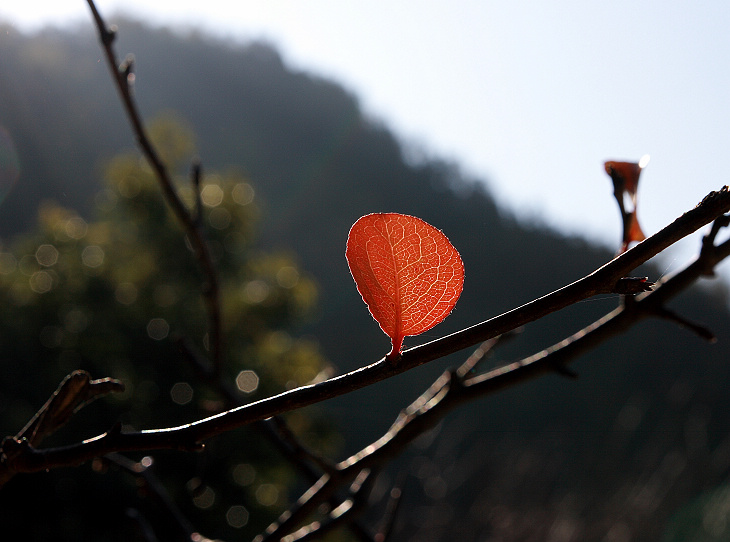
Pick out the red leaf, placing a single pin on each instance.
(625, 177)
(407, 272)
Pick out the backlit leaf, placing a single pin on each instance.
(407, 272)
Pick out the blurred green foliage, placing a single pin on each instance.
(113, 295)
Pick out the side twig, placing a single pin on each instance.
(192, 227)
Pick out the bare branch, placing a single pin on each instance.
(190, 436)
(391, 513)
(73, 393)
(451, 390)
(211, 289)
(342, 515)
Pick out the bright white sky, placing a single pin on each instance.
(531, 96)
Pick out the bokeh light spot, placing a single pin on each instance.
(165, 295)
(244, 474)
(92, 256)
(126, 293)
(181, 393)
(247, 381)
(158, 328)
(219, 218)
(76, 227)
(211, 195)
(237, 516)
(256, 291)
(129, 187)
(243, 193)
(28, 265)
(235, 242)
(75, 320)
(287, 277)
(204, 498)
(105, 200)
(267, 494)
(41, 282)
(46, 255)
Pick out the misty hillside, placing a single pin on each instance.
(317, 164)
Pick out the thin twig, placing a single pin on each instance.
(211, 289)
(74, 392)
(482, 351)
(340, 516)
(391, 511)
(192, 223)
(176, 518)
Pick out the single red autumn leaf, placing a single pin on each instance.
(625, 177)
(407, 272)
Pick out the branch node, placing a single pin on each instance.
(456, 380)
(13, 447)
(633, 285)
(126, 73)
(108, 35)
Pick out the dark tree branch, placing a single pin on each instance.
(452, 390)
(192, 226)
(310, 464)
(601, 281)
(342, 515)
(698, 329)
(144, 529)
(190, 436)
(481, 353)
(73, 393)
(391, 513)
(183, 528)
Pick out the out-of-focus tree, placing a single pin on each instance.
(120, 295)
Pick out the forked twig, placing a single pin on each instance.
(191, 224)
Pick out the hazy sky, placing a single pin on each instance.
(530, 96)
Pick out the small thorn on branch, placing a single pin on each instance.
(564, 370)
(633, 285)
(708, 241)
(108, 35)
(700, 330)
(126, 69)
